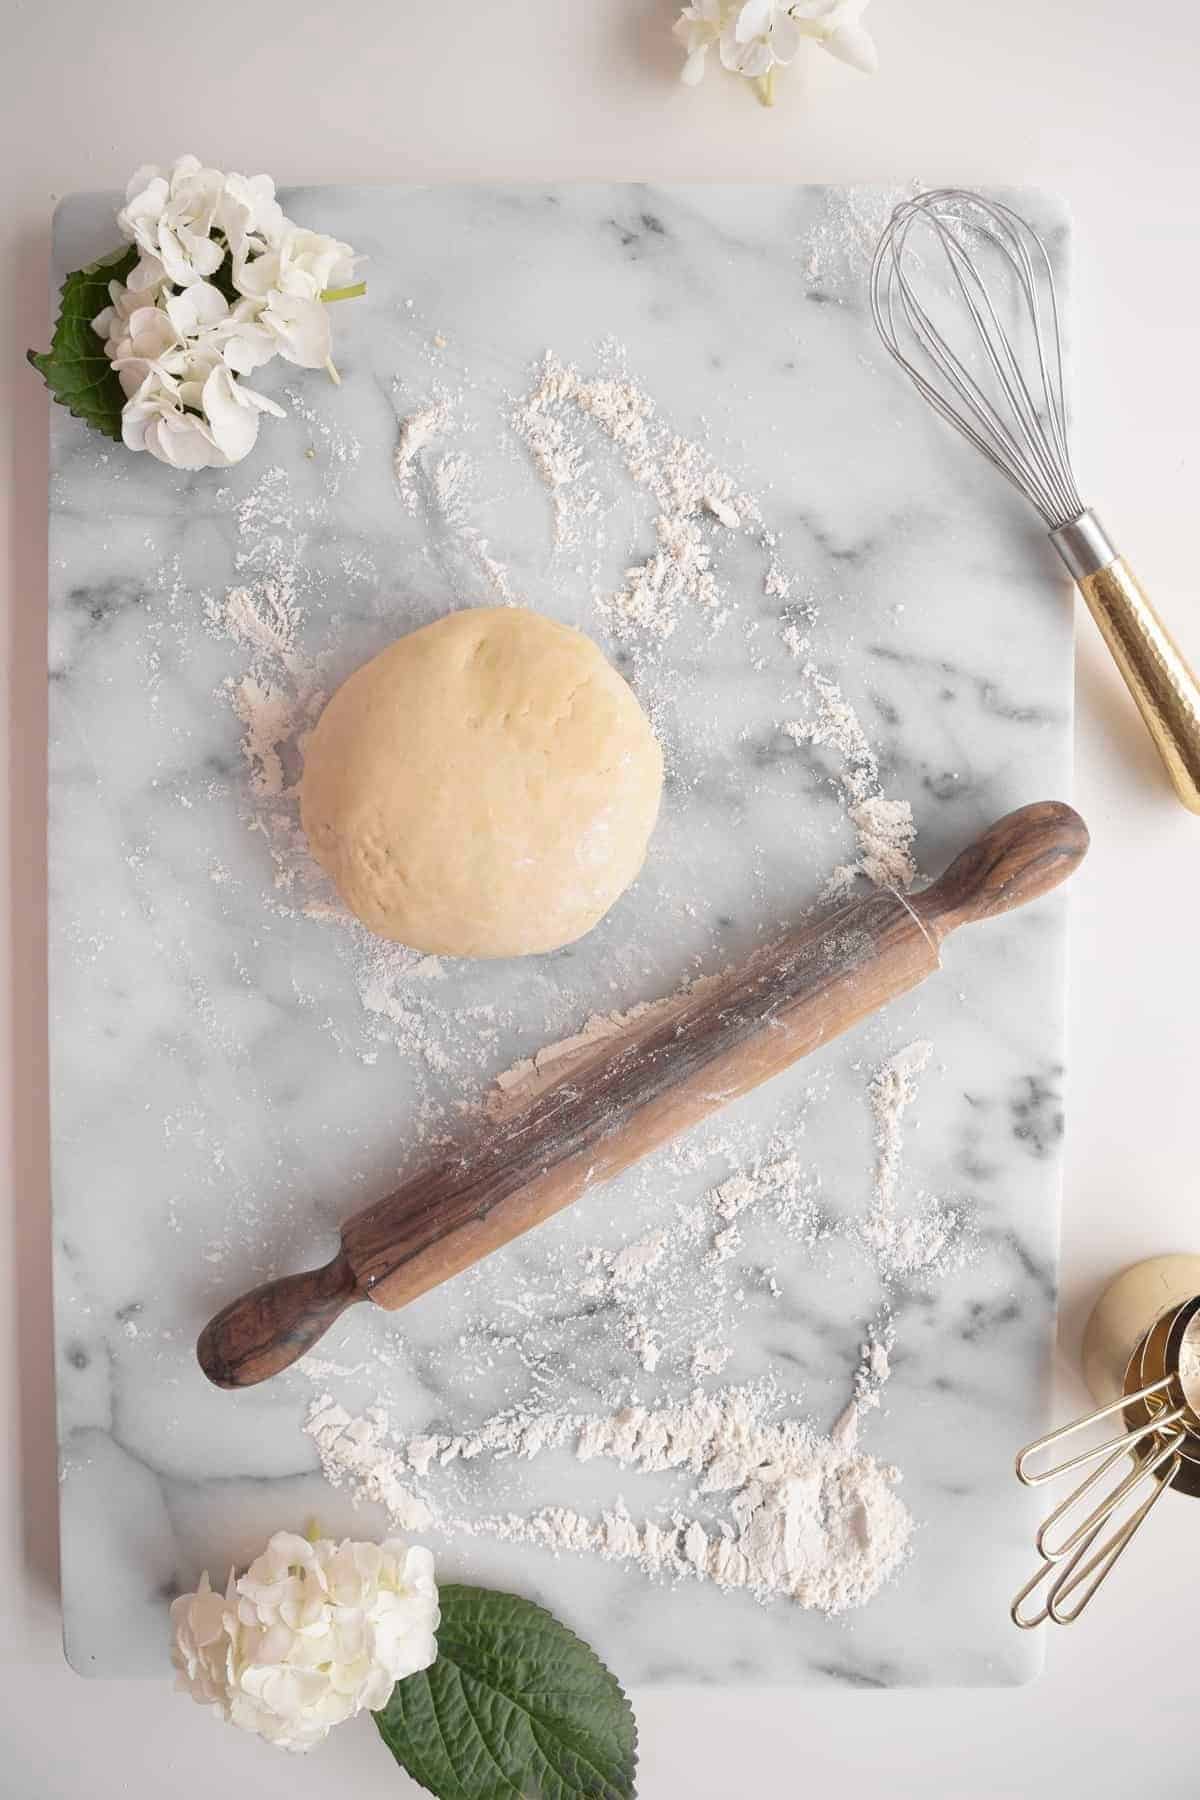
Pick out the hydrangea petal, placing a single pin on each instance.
(694, 66)
(852, 43)
(754, 20)
(784, 40)
(817, 12)
(301, 328)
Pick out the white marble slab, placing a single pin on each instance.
(221, 1096)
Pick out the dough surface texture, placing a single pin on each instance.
(485, 786)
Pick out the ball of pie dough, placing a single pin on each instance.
(486, 786)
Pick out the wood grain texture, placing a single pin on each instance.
(663, 1073)
(267, 1329)
(1022, 856)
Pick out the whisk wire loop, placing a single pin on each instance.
(997, 346)
(1022, 427)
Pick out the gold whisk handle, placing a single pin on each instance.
(1152, 665)
(1154, 670)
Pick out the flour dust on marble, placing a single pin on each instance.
(774, 1506)
(689, 490)
(759, 1499)
(278, 699)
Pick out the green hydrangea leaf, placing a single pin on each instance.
(75, 368)
(516, 1707)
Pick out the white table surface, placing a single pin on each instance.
(1086, 98)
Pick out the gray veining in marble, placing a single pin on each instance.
(220, 1095)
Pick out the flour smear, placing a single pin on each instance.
(764, 1502)
(773, 1508)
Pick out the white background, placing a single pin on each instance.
(1096, 98)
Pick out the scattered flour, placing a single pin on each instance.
(515, 1087)
(780, 1183)
(632, 1264)
(645, 1346)
(279, 697)
(842, 243)
(709, 1359)
(722, 509)
(884, 828)
(874, 1370)
(902, 1244)
(416, 432)
(775, 1509)
(543, 422)
(885, 833)
(725, 1244)
(352, 1451)
(273, 717)
(451, 479)
(264, 622)
(688, 489)
(277, 700)
(448, 486)
(760, 1502)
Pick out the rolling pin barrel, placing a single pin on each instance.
(664, 1072)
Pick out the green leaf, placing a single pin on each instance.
(75, 368)
(516, 1707)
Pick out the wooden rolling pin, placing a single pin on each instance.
(664, 1072)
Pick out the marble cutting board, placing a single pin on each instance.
(231, 1073)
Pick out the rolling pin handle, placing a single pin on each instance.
(265, 1331)
(1021, 857)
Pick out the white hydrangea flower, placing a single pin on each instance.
(756, 37)
(201, 1651)
(111, 324)
(300, 329)
(301, 263)
(232, 413)
(698, 28)
(837, 26)
(135, 333)
(246, 344)
(249, 215)
(311, 1634)
(191, 412)
(176, 364)
(198, 309)
(761, 36)
(154, 418)
(177, 343)
(170, 218)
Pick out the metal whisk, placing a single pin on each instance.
(1009, 402)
